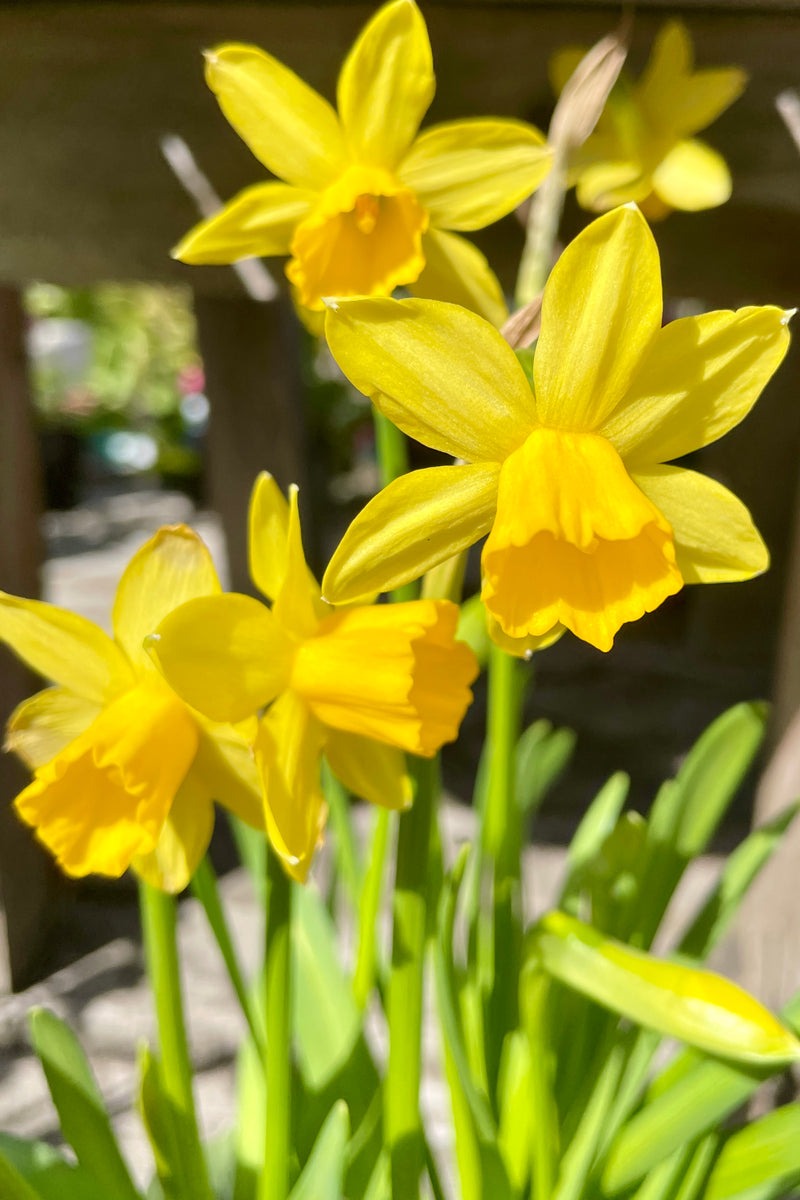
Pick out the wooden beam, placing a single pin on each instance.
(28, 881)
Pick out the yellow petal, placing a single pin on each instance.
(224, 760)
(524, 647)
(369, 769)
(575, 542)
(260, 221)
(40, 728)
(456, 271)
(64, 648)
(106, 796)
(700, 378)
(298, 607)
(692, 177)
(605, 185)
(224, 655)
(386, 85)
(288, 749)
(419, 520)
(441, 374)
(600, 310)
(286, 124)
(715, 538)
(173, 566)
(268, 532)
(677, 99)
(470, 173)
(363, 238)
(183, 840)
(389, 671)
(668, 67)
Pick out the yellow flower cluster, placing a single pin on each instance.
(202, 696)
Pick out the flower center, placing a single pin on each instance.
(363, 238)
(574, 542)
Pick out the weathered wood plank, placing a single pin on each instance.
(27, 879)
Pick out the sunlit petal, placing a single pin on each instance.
(715, 538)
(692, 177)
(268, 534)
(183, 840)
(575, 542)
(260, 221)
(64, 648)
(298, 607)
(523, 647)
(389, 671)
(226, 656)
(441, 374)
(369, 769)
(470, 173)
(600, 310)
(40, 728)
(419, 520)
(287, 125)
(288, 749)
(456, 271)
(106, 796)
(173, 566)
(700, 378)
(386, 84)
(225, 762)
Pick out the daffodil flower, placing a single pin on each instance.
(588, 528)
(642, 148)
(366, 205)
(124, 772)
(359, 685)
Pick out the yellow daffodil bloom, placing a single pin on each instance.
(359, 685)
(124, 773)
(588, 528)
(642, 148)
(366, 205)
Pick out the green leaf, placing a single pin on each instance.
(761, 1161)
(322, 1178)
(251, 1116)
(597, 823)
(171, 1134)
(515, 1131)
(740, 869)
(687, 815)
(579, 1156)
(473, 630)
(695, 1006)
(688, 809)
(542, 755)
(334, 1060)
(84, 1119)
(31, 1170)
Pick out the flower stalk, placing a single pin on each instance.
(274, 1183)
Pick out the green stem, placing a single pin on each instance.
(402, 1125)
(544, 218)
(204, 886)
(274, 1184)
(161, 955)
(364, 976)
(502, 839)
(392, 450)
(348, 859)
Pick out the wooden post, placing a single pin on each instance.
(28, 881)
(251, 358)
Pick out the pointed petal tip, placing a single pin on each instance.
(331, 303)
(787, 315)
